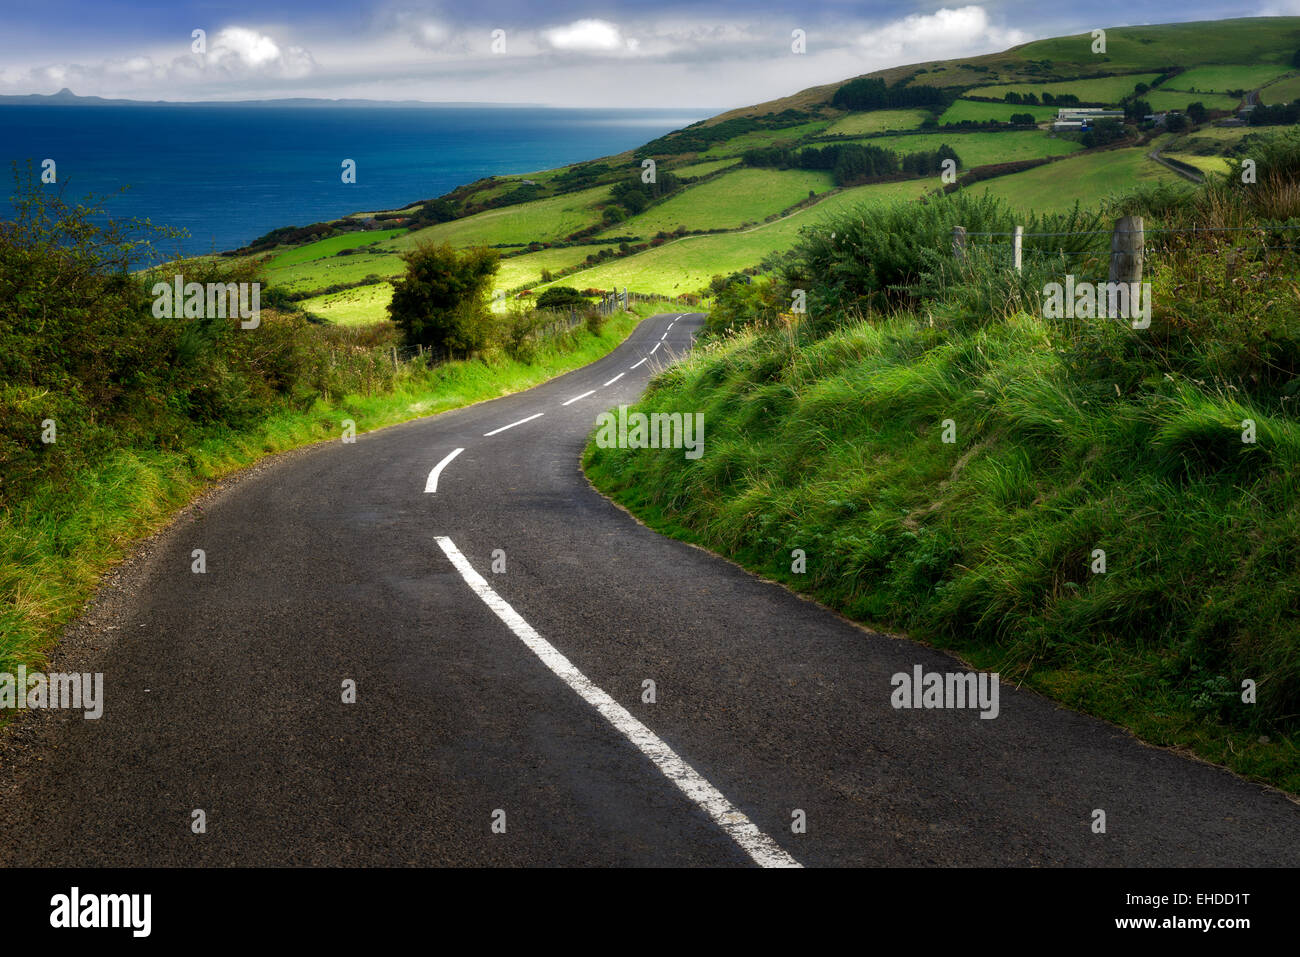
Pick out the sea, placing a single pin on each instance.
(228, 174)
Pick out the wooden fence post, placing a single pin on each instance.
(959, 242)
(1126, 250)
(1017, 244)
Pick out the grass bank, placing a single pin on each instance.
(987, 546)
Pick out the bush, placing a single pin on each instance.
(560, 297)
(441, 302)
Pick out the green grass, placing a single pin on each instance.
(878, 121)
(353, 307)
(1106, 89)
(1089, 178)
(982, 112)
(320, 273)
(1174, 100)
(537, 221)
(526, 270)
(1220, 79)
(323, 248)
(983, 547)
(979, 149)
(1206, 164)
(702, 169)
(786, 135)
(1283, 91)
(727, 201)
(57, 543)
(687, 264)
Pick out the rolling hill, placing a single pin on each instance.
(733, 190)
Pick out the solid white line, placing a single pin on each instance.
(513, 424)
(615, 379)
(762, 849)
(639, 361)
(577, 397)
(431, 483)
(664, 336)
(656, 348)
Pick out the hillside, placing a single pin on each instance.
(733, 191)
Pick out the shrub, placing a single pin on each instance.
(441, 302)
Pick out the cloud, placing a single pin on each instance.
(589, 36)
(240, 51)
(936, 36)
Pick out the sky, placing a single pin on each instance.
(623, 54)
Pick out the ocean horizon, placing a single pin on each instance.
(227, 175)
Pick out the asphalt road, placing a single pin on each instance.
(223, 691)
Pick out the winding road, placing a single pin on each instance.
(501, 620)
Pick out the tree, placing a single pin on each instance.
(441, 302)
(1196, 112)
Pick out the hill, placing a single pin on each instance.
(750, 178)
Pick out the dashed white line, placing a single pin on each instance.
(762, 849)
(664, 336)
(577, 397)
(615, 379)
(513, 424)
(431, 483)
(639, 361)
(656, 348)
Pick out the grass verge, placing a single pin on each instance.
(987, 546)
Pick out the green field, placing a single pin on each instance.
(980, 112)
(1220, 79)
(981, 149)
(1206, 164)
(728, 201)
(1089, 178)
(351, 307)
(540, 220)
(1105, 89)
(1283, 91)
(748, 141)
(328, 247)
(878, 121)
(331, 270)
(1174, 100)
(702, 169)
(687, 264)
(526, 270)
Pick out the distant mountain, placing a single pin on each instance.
(66, 97)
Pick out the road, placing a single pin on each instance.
(516, 696)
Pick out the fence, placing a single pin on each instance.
(1129, 248)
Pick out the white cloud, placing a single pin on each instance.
(935, 36)
(589, 36)
(239, 50)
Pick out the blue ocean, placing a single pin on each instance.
(227, 175)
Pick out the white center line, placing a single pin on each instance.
(639, 361)
(577, 397)
(615, 379)
(656, 348)
(664, 336)
(513, 424)
(431, 484)
(762, 849)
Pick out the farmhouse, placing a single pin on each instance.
(1081, 118)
